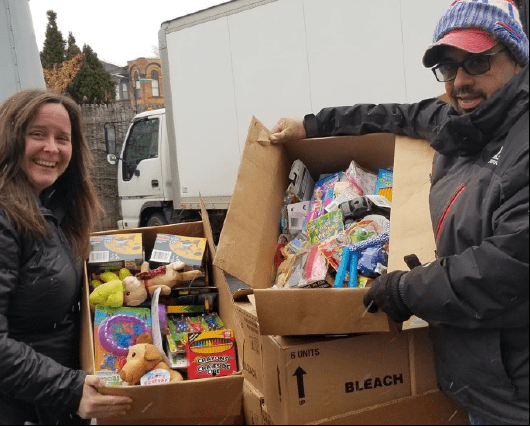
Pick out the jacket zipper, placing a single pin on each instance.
(446, 211)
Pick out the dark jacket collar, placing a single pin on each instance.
(50, 206)
(469, 133)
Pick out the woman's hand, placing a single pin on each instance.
(288, 130)
(96, 405)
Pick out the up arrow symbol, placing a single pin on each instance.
(299, 373)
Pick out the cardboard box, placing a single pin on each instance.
(115, 251)
(252, 404)
(202, 401)
(250, 231)
(421, 352)
(250, 345)
(307, 379)
(429, 408)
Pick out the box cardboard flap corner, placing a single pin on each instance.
(202, 401)
(250, 231)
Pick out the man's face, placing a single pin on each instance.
(466, 92)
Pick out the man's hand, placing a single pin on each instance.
(384, 294)
(96, 405)
(288, 130)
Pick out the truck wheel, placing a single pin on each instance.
(156, 219)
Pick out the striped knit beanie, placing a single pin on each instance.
(476, 25)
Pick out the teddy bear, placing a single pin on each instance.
(136, 288)
(141, 359)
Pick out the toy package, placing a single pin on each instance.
(296, 214)
(325, 226)
(113, 252)
(211, 353)
(299, 190)
(182, 320)
(383, 184)
(362, 180)
(115, 329)
(175, 248)
(344, 191)
(322, 196)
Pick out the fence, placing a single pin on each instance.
(104, 174)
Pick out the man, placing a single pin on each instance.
(475, 294)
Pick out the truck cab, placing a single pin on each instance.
(144, 177)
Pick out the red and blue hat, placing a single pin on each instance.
(476, 26)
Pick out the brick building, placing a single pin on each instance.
(145, 82)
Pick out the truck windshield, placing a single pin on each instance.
(141, 144)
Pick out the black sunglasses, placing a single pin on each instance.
(473, 65)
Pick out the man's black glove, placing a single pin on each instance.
(384, 294)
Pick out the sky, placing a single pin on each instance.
(117, 30)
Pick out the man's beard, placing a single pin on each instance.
(469, 92)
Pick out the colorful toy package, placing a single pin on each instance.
(115, 329)
(180, 325)
(211, 353)
(333, 246)
(325, 226)
(383, 185)
(362, 180)
(113, 252)
(175, 248)
(322, 196)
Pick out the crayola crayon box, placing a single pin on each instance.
(115, 329)
(211, 354)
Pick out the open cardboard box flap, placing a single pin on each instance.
(250, 232)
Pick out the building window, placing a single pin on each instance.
(118, 92)
(154, 83)
(125, 91)
(137, 86)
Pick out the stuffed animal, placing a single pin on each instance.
(141, 359)
(110, 292)
(136, 288)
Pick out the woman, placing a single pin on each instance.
(47, 209)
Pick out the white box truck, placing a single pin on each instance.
(269, 59)
(20, 66)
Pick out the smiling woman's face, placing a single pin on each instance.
(467, 92)
(48, 146)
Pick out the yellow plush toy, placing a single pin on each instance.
(110, 292)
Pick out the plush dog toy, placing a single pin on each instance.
(136, 288)
(141, 359)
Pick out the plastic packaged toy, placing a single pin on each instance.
(115, 329)
(362, 180)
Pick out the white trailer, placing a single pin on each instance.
(20, 66)
(270, 59)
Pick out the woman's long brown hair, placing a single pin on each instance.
(74, 187)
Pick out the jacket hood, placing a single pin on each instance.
(469, 133)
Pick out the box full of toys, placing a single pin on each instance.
(354, 195)
(163, 339)
(315, 235)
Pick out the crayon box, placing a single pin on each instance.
(211, 354)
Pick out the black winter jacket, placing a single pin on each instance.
(40, 284)
(475, 294)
